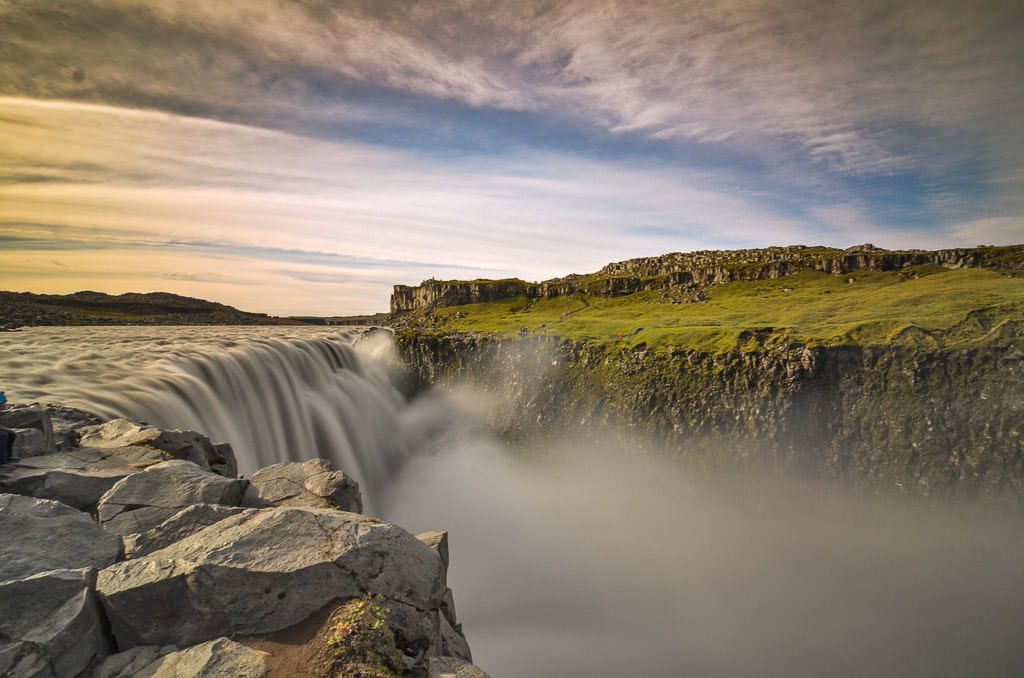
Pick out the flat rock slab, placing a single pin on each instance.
(182, 524)
(264, 570)
(50, 624)
(176, 443)
(77, 477)
(312, 483)
(218, 658)
(39, 535)
(142, 501)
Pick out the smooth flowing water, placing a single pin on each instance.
(568, 561)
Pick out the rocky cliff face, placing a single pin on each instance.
(890, 419)
(137, 551)
(438, 293)
(686, 275)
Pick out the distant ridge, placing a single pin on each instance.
(688, 275)
(19, 309)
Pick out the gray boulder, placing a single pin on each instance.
(142, 501)
(213, 659)
(50, 624)
(177, 443)
(182, 524)
(78, 477)
(264, 570)
(453, 667)
(313, 483)
(39, 535)
(33, 427)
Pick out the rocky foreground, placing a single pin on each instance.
(135, 551)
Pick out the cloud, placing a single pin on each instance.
(341, 213)
(866, 86)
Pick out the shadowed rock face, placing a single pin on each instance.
(51, 624)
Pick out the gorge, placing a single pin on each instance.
(573, 553)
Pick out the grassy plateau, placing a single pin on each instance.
(928, 305)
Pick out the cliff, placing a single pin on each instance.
(895, 419)
(686, 276)
(438, 293)
(897, 372)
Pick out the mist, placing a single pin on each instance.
(573, 560)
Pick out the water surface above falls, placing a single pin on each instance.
(572, 560)
(274, 393)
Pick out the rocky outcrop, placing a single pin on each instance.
(194, 567)
(891, 419)
(264, 570)
(685, 276)
(40, 535)
(312, 483)
(439, 293)
(50, 624)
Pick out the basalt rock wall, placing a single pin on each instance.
(686, 275)
(895, 419)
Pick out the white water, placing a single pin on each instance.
(574, 562)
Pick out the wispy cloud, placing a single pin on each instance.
(335, 211)
(842, 81)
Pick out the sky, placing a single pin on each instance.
(301, 157)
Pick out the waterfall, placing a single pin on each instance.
(274, 399)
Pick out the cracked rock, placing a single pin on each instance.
(78, 477)
(142, 501)
(264, 570)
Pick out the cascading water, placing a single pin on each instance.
(569, 561)
(284, 396)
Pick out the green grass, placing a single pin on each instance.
(810, 307)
